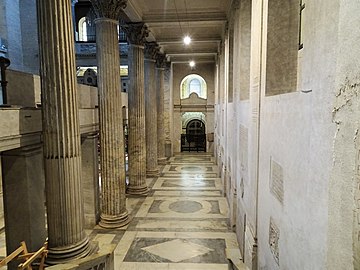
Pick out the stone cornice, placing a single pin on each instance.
(110, 9)
(136, 33)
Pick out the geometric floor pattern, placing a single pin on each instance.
(181, 225)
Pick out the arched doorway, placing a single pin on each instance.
(195, 127)
(195, 138)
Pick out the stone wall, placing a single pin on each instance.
(344, 223)
(18, 32)
(206, 106)
(290, 161)
(29, 36)
(13, 35)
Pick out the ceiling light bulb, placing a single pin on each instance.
(187, 40)
(192, 63)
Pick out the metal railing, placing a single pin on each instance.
(190, 142)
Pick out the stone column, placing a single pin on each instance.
(136, 34)
(168, 109)
(112, 156)
(90, 179)
(152, 169)
(24, 198)
(61, 133)
(160, 70)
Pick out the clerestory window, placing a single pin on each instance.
(193, 83)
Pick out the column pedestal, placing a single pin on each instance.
(90, 179)
(24, 200)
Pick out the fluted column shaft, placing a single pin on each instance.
(112, 159)
(160, 113)
(152, 169)
(137, 141)
(65, 215)
(136, 34)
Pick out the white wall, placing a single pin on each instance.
(315, 147)
(179, 72)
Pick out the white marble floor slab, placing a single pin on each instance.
(165, 210)
(187, 193)
(205, 225)
(181, 225)
(186, 183)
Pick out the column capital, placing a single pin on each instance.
(151, 50)
(167, 65)
(160, 60)
(73, 2)
(110, 9)
(136, 33)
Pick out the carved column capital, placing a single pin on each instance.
(235, 4)
(151, 49)
(160, 60)
(73, 2)
(110, 9)
(136, 33)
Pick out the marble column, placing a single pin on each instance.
(168, 109)
(24, 198)
(112, 155)
(90, 178)
(152, 169)
(61, 133)
(160, 70)
(136, 34)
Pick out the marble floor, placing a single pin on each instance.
(181, 224)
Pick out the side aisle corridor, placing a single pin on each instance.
(181, 224)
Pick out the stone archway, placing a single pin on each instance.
(194, 139)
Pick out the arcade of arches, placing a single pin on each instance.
(124, 156)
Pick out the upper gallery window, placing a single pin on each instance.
(83, 29)
(193, 83)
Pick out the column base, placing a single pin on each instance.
(69, 253)
(152, 173)
(137, 190)
(162, 161)
(113, 222)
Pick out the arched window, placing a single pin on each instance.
(195, 86)
(83, 29)
(193, 83)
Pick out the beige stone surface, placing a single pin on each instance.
(151, 110)
(112, 156)
(137, 129)
(61, 135)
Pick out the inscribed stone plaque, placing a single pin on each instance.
(277, 181)
(243, 148)
(274, 236)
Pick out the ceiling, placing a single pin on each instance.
(170, 20)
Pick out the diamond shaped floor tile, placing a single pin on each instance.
(177, 250)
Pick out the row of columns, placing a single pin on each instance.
(63, 162)
(146, 111)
